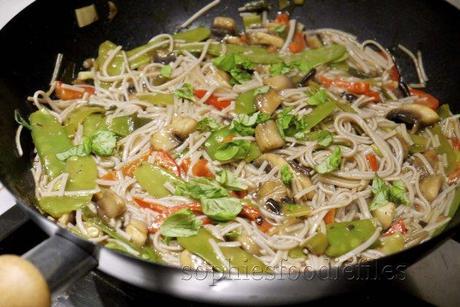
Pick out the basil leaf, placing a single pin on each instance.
(81, 150)
(185, 92)
(208, 124)
(318, 98)
(244, 124)
(398, 193)
(235, 65)
(331, 163)
(166, 71)
(21, 121)
(183, 223)
(221, 209)
(103, 142)
(385, 193)
(230, 181)
(290, 125)
(323, 137)
(262, 90)
(286, 175)
(200, 188)
(232, 150)
(280, 69)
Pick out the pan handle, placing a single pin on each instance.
(48, 267)
(11, 220)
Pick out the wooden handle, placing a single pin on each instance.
(22, 284)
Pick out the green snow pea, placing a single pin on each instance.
(193, 35)
(153, 178)
(345, 236)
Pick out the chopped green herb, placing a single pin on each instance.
(290, 125)
(286, 175)
(208, 124)
(237, 66)
(166, 71)
(244, 124)
(331, 163)
(385, 193)
(185, 92)
(221, 209)
(198, 188)
(230, 181)
(183, 223)
(323, 137)
(280, 69)
(318, 98)
(103, 142)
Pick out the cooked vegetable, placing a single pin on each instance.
(346, 236)
(248, 244)
(182, 126)
(430, 186)
(221, 209)
(385, 214)
(164, 140)
(392, 244)
(268, 137)
(109, 204)
(245, 103)
(138, 231)
(273, 189)
(153, 179)
(222, 26)
(49, 138)
(157, 98)
(279, 83)
(268, 102)
(183, 223)
(194, 35)
(414, 115)
(331, 163)
(261, 38)
(317, 244)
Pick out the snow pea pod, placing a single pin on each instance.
(153, 178)
(245, 103)
(311, 58)
(78, 116)
(50, 138)
(346, 236)
(319, 114)
(238, 258)
(158, 99)
(193, 35)
(82, 176)
(122, 125)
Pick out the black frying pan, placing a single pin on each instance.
(30, 42)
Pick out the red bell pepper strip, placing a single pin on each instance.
(425, 98)
(200, 169)
(329, 218)
(65, 93)
(355, 87)
(373, 163)
(164, 160)
(212, 100)
(397, 226)
(282, 18)
(298, 43)
(253, 214)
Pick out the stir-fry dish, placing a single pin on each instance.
(258, 148)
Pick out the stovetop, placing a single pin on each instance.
(432, 281)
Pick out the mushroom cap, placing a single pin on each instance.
(415, 115)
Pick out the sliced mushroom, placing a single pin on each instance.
(273, 189)
(430, 186)
(109, 204)
(164, 140)
(414, 115)
(301, 179)
(163, 56)
(223, 26)
(279, 83)
(268, 137)
(385, 214)
(138, 231)
(235, 40)
(268, 102)
(262, 38)
(182, 126)
(248, 244)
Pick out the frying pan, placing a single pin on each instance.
(30, 42)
